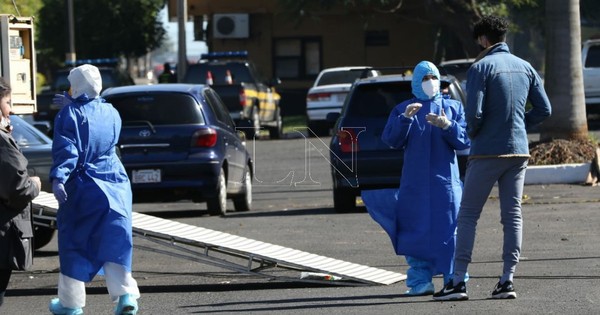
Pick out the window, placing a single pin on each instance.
(593, 57)
(377, 38)
(297, 58)
(197, 73)
(378, 100)
(214, 101)
(158, 109)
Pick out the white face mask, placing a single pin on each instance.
(431, 87)
(4, 122)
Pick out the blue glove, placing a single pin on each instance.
(59, 191)
(61, 100)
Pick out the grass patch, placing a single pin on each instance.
(291, 122)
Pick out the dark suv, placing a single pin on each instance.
(178, 142)
(359, 159)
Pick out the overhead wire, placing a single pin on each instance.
(16, 9)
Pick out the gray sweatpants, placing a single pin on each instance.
(480, 178)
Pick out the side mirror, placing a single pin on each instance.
(241, 134)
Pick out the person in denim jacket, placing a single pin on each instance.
(499, 85)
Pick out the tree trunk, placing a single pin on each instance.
(564, 77)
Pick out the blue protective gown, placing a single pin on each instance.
(420, 216)
(94, 224)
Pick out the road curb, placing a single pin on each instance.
(575, 173)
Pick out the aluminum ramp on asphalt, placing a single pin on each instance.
(235, 252)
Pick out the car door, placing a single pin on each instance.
(234, 147)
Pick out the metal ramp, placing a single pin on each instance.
(234, 252)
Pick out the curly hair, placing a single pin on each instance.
(493, 27)
(4, 88)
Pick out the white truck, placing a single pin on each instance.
(590, 56)
(17, 61)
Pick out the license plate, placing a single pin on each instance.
(145, 176)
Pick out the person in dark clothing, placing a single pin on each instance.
(168, 76)
(17, 190)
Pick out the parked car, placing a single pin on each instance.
(457, 68)
(358, 158)
(252, 101)
(590, 56)
(328, 92)
(37, 148)
(179, 142)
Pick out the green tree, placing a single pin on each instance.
(21, 7)
(103, 29)
(564, 77)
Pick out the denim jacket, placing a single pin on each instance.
(499, 85)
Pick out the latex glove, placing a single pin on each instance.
(36, 181)
(439, 120)
(59, 191)
(412, 109)
(60, 101)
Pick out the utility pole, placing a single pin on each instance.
(70, 56)
(182, 49)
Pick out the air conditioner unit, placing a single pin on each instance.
(231, 25)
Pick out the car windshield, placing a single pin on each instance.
(378, 100)
(26, 135)
(158, 109)
(458, 70)
(339, 77)
(593, 57)
(239, 73)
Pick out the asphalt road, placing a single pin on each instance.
(559, 272)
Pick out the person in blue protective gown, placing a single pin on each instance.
(94, 196)
(420, 216)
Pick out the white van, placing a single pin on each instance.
(590, 56)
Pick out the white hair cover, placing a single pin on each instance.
(85, 79)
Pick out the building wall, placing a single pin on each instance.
(342, 38)
(341, 33)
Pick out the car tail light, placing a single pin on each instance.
(228, 77)
(209, 78)
(243, 98)
(348, 140)
(204, 138)
(313, 97)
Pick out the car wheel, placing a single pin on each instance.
(277, 131)
(243, 201)
(344, 200)
(42, 236)
(217, 205)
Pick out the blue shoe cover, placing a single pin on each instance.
(127, 305)
(421, 289)
(57, 309)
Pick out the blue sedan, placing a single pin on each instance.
(178, 142)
